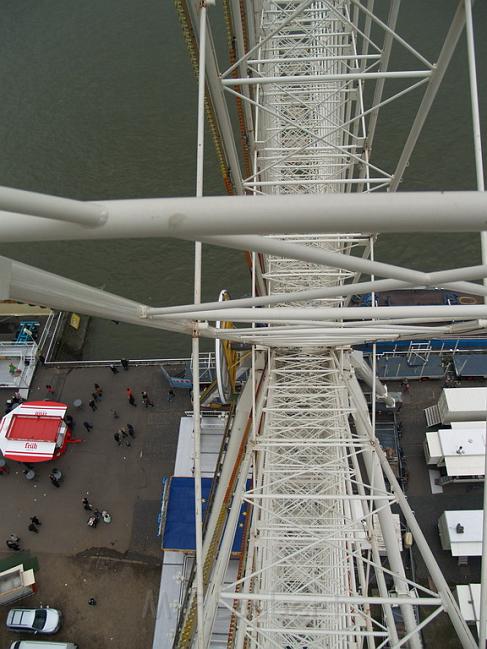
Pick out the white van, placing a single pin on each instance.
(42, 644)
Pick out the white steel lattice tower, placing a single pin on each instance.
(321, 511)
(309, 77)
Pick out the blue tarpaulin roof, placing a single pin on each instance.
(470, 365)
(178, 533)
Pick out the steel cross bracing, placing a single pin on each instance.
(321, 513)
(319, 500)
(313, 539)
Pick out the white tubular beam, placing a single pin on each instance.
(296, 12)
(384, 63)
(225, 550)
(435, 80)
(289, 314)
(55, 208)
(319, 256)
(188, 218)
(304, 79)
(441, 278)
(217, 95)
(479, 168)
(240, 48)
(390, 30)
(366, 373)
(323, 599)
(198, 498)
(32, 285)
(451, 607)
(376, 478)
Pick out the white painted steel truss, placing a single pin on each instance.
(320, 507)
(319, 499)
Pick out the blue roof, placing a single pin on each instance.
(178, 533)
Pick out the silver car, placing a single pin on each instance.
(34, 620)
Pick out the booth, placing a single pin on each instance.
(34, 431)
(458, 452)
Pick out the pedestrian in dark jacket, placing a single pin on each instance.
(87, 426)
(54, 480)
(113, 368)
(125, 364)
(98, 390)
(145, 399)
(33, 528)
(117, 438)
(131, 431)
(92, 404)
(86, 504)
(35, 520)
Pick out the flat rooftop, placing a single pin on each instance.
(34, 428)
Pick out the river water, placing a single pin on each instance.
(99, 101)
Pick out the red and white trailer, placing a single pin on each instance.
(35, 431)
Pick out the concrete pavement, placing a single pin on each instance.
(117, 563)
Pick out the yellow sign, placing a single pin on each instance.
(75, 320)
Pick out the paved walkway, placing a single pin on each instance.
(428, 507)
(121, 560)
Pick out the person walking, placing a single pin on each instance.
(12, 545)
(114, 413)
(95, 396)
(50, 389)
(33, 528)
(98, 390)
(130, 396)
(92, 404)
(171, 395)
(117, 438)
(54, 480)
(86, 504)
(69, 421)
(87, 426)
(145, 399)
(125, 364)
(125, 436)
(113, 368)
(35, 520)
(131, 431)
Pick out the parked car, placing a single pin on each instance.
(34, 620)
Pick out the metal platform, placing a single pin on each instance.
(470, 365)
(397, 368)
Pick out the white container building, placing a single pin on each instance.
(458, 452)
(458, 405)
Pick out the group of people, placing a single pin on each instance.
(96, 396)
(123, 435)
(13, 541)
(95, 514)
